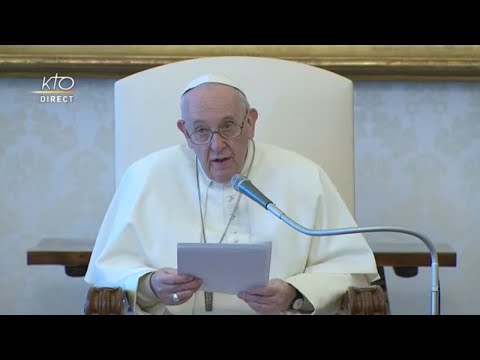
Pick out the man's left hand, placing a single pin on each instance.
(276, 297)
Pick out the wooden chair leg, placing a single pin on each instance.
(370, 300)
(105, 301)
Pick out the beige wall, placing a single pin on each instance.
(417, 151)
(56, 179)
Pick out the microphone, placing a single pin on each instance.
(243, 185)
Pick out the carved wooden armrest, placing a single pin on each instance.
(369, 300)
(105, 301)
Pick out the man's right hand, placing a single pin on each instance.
(172, 288)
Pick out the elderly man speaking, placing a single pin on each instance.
(183, 194)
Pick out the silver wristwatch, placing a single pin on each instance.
(298, 301)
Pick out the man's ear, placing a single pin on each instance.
(181, 127)
(252, 120)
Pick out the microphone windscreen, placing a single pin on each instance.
(237, 180)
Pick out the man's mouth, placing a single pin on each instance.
(220, 160)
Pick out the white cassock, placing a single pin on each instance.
(156, 206)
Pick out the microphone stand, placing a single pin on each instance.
(435, 284)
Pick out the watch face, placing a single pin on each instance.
(297, 304)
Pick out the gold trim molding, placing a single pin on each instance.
(357, 62)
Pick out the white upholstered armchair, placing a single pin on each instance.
(301, 107)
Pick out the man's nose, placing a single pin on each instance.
(217, 141)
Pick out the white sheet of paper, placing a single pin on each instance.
(226, 268)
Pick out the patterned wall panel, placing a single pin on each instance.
(56, 179)
(417, 156)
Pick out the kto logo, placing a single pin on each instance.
(56, 89)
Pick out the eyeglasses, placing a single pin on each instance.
(229, 130)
